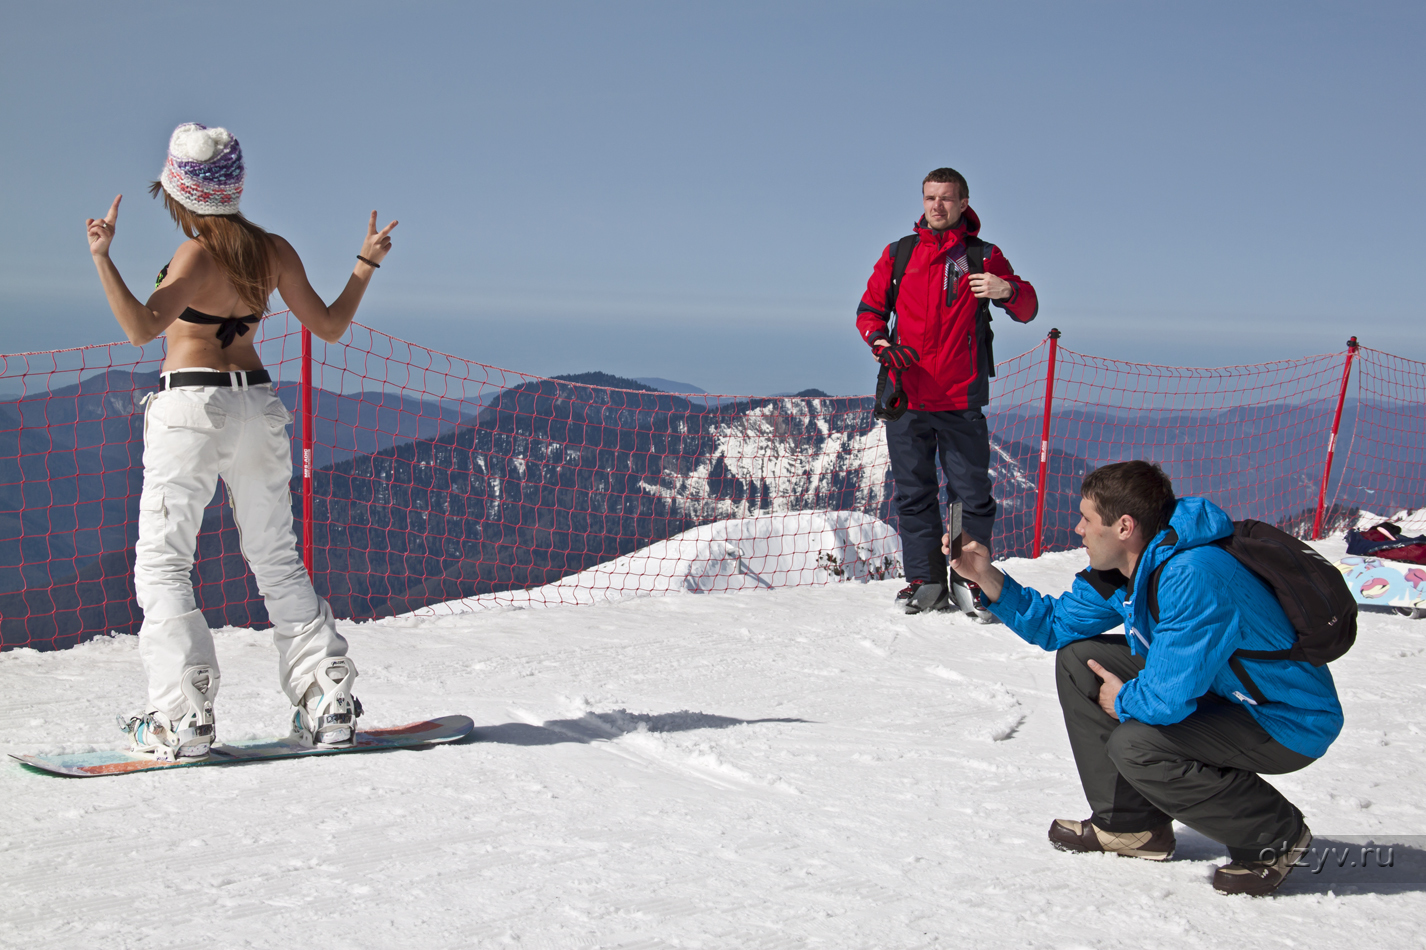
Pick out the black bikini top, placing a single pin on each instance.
(229, 328)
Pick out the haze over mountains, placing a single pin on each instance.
(420, 501)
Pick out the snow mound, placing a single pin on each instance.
(780, 550)
(1410, 522)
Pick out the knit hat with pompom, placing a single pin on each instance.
(204, 171)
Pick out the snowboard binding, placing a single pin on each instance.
(326, 717)
(191, 735)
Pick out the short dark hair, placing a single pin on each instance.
(1138, 489)
(946, 176)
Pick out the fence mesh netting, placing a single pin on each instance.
(441, 484)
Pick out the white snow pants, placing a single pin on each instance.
(192, 436)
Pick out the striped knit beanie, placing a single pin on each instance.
(204, 171)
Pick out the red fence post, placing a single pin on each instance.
(1332, 442)
(307, 452)
(1054, 338)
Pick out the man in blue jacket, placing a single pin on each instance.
(1160, 726)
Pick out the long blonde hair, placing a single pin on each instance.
(242, 249)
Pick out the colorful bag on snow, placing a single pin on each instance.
(1388, 543)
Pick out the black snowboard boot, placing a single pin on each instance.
(908, 592)
(928, 598)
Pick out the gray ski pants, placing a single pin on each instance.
(1205, 771)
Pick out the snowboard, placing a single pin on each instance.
(88, 764)
(1376, 582)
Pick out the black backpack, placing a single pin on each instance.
(891, 405)
(1312, 592)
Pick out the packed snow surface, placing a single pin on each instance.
(803, 767)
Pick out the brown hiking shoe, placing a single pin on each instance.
(1260, 878)
(1156, 844)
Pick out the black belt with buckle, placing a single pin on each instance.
(238, 379)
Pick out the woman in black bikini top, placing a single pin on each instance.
(217, 416)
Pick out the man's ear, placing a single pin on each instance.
(1124, 528)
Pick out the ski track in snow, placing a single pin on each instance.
(794, 768)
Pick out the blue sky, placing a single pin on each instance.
(698, 191)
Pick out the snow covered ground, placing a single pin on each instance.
(787, 768)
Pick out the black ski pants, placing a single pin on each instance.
(1205, 771)
(961, 440)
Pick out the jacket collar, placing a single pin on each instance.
(968, 224)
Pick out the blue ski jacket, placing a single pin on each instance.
(1209, 606)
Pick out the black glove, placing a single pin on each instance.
(891, 401)
(898, 356)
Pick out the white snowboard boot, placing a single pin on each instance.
(191, 735)
(327, 715)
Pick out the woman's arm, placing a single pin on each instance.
(143, 322)
(329, 322)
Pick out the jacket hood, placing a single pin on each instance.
(970, 222)
(1197, 521)
(1194, 523)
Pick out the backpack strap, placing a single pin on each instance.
(975, 256)
(975, 253)
(1235, 662)
(900, 258)
(1169, 541)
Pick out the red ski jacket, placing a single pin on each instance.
(936, 315)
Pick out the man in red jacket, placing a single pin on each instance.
(940, 346)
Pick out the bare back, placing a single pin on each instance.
(194, 345)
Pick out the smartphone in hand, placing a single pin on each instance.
(953, 528)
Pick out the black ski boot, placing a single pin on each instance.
(929, 598)
(908, 592)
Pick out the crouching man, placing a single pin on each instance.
(1161, 727)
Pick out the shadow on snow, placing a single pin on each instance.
(602, 727)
